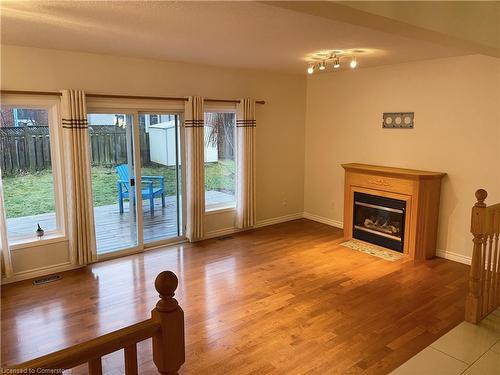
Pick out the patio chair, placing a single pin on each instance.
(150, 191)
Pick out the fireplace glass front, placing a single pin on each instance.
(379, 220)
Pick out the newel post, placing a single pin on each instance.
(473, 307)
(168, 343)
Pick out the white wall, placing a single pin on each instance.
(457, 130)
(456, 104)
(280, 122)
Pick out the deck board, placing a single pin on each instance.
(119, 231)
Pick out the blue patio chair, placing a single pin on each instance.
(150, 191)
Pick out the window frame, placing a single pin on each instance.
(230, 206)
(52, 106)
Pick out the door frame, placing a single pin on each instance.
(139, 247)
(135, 107)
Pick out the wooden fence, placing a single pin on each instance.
(108, 145)
(24, 149)
(27, 149)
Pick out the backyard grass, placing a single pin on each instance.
(33, 193)
(28, 194)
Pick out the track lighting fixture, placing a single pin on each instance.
(333, 60)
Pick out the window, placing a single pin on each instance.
(29, 176)
(220, 168)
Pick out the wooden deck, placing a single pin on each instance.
(116, 231)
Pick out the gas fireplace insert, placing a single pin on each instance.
(379, 220)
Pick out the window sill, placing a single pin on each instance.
(220, 208)
(24, 242)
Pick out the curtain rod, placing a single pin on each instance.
(56, 93)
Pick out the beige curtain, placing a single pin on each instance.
(78, 184)
(6, 264)
(245, 160)
(195, 168)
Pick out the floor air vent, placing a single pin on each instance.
(225, 238)
(46, 280)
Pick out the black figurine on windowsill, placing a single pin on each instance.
(39, 231)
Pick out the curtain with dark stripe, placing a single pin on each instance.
(81, 231)
(195, 168)
(245, 161)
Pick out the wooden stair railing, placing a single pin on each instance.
(484, 280)
(166, 327)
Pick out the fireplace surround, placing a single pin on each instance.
(393, 207)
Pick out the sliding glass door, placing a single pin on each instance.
(161, 176)
(112, 154)
(136, 179)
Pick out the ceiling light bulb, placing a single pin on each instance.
(310, 70)
(322, 66)
(336, 63)
(354, 63)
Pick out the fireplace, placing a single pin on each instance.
(379, 220)
(410, 197)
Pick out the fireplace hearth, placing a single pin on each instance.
(379, 220)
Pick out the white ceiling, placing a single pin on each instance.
(231, 34)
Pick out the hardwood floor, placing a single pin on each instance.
(284, 299)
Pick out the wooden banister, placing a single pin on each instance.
(95, 348)
(166, 327)
(168, 342)
(484, 279)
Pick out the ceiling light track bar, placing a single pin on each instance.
(333, 59)
(111, 96)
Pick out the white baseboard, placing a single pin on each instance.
(275, 220)
(324, 220)
(220, 232)
(259, 224)
(44, 271)
(450, 255)
(279, 219)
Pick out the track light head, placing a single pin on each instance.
(310, 70)
(336, 63)
(322, 66)
(353, 63)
